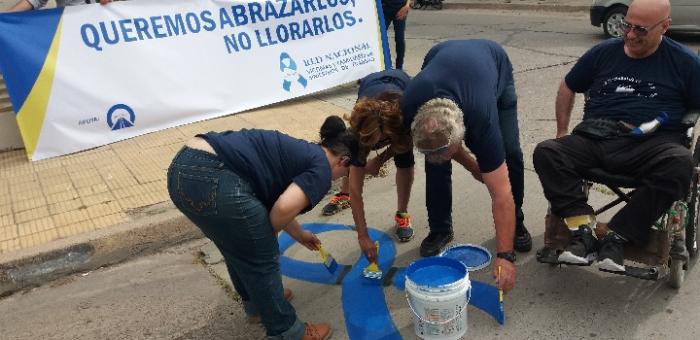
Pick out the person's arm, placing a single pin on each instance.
(356, 184)
(403, 12)
(282, 216)
(468, 162)
(21, 6)
(304, 237)
(503, 210)
(563, 107)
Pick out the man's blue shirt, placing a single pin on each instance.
(637, 90)
(473, 74)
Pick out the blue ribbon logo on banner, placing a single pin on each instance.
(289, 69)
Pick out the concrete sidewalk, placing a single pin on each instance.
(93, 208)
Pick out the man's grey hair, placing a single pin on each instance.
(444, 118)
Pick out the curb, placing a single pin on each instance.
(514, 7)
(152, 229)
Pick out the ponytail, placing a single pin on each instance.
(337, 138)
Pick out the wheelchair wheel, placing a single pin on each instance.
(677, 275)
(691, 228)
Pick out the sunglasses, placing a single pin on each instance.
(437, 151)
(639, 30)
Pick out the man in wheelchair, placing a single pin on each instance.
(638, 89)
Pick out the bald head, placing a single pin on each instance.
(653, 10)
(650, 20)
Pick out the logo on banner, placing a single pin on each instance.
(289, 70)
(120, 116)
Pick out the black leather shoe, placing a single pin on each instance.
(434, 242)
(523, 240)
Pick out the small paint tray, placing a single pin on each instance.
(474, 257)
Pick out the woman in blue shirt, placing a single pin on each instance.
(377, 121)
(241, 188)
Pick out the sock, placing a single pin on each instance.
(574, 222)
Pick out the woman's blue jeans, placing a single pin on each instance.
(438, 180)
(223, 205)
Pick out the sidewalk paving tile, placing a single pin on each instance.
(95, 189)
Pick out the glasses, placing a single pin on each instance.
(437, 151)
(639, 30)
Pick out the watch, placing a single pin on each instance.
(508, 255)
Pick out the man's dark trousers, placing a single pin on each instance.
(659, 161)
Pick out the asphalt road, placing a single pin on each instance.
(172, 296)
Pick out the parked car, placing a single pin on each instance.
(685, 15)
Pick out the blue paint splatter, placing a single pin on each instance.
(474, 257)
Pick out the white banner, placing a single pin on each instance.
(85, 76)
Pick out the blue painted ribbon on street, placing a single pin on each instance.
(308, 271)
(366, 313)
(364, 307)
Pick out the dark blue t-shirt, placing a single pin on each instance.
(637, 90)
(473, 74)
(383, 81)
(271, 161)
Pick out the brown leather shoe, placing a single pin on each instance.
(288, 295)
(319, 331)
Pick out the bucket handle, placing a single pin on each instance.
(438, 323)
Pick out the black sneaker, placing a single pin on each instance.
(523, 240)
(611, 255)
(434, 242)
(581, 248)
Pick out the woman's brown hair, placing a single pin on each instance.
(371, 117)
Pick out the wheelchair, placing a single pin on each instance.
(673, 239)
(423, 4)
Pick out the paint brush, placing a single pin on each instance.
(372, 271)
(328, 260)
(500, 291)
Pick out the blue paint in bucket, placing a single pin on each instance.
(435, 271)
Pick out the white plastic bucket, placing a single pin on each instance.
(438, 291)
